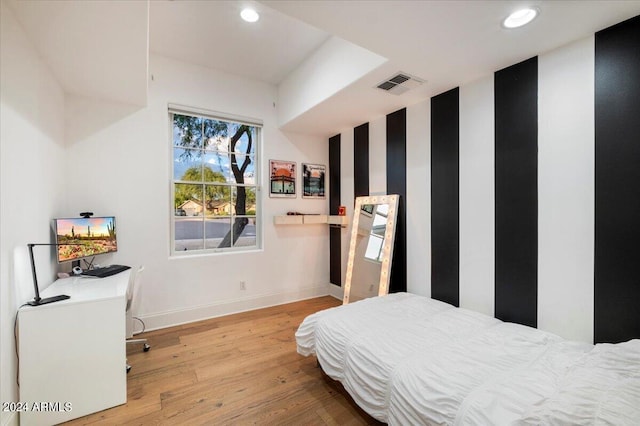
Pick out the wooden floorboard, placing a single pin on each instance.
(237, 369)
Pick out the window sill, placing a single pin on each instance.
(193, 254)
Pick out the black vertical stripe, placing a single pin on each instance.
(617, 183)
(445, 199)
(516, 187)
(397, 184)
(335, 234)
(361, 160)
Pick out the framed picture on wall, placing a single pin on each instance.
(282, 179)
(313, 178)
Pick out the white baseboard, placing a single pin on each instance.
(184, 316)
(336, 291)
(9, 419)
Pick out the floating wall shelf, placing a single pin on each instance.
(338, 220)
(311, 219)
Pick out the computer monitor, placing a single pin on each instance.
(79, 238)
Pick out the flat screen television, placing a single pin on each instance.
(79, 238)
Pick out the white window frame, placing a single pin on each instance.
(214, 115)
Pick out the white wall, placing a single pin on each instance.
(477, 196)
(335, 65)
(124, 169)
(377, 156)
(566, 188)
(31, 181)
(418, 203)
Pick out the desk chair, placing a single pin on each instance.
(132, 294)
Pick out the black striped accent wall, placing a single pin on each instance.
(445, 215)
(617, 183)
(335, 244)
(361, 160)
(516, 192)
(535, 190)
(397, 184)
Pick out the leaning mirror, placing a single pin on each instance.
(371, 247)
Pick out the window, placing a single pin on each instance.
(215, 182)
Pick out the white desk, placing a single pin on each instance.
(74, 351)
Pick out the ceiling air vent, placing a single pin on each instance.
(400, 83)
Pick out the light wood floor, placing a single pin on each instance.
(238, 369)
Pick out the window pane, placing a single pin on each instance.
(251, 200)
(379, 225)
(187, 164)
(244, 200)
(217, 144)
(382, 209)
(187, 131)
(216, 229)
(218, 200)
(249, 174)
(242, 145)
(373, 248)
(248, 233)
(218, 166)
(187, 197)
(188, 233)
(216, 134)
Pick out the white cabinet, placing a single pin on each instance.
(73, 352)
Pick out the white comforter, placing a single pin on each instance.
(407, 359)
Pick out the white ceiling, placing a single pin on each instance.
(100, 48)
(447, 43)
(211, 33)
(96, 49)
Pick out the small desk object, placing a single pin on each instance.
(73, 352)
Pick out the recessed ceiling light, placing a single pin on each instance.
(520, 17)
(249, 15)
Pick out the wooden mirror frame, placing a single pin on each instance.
(389, 236)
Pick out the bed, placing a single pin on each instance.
(410, 360)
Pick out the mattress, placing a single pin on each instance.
(407, 359)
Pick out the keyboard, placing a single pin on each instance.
(107, 271)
